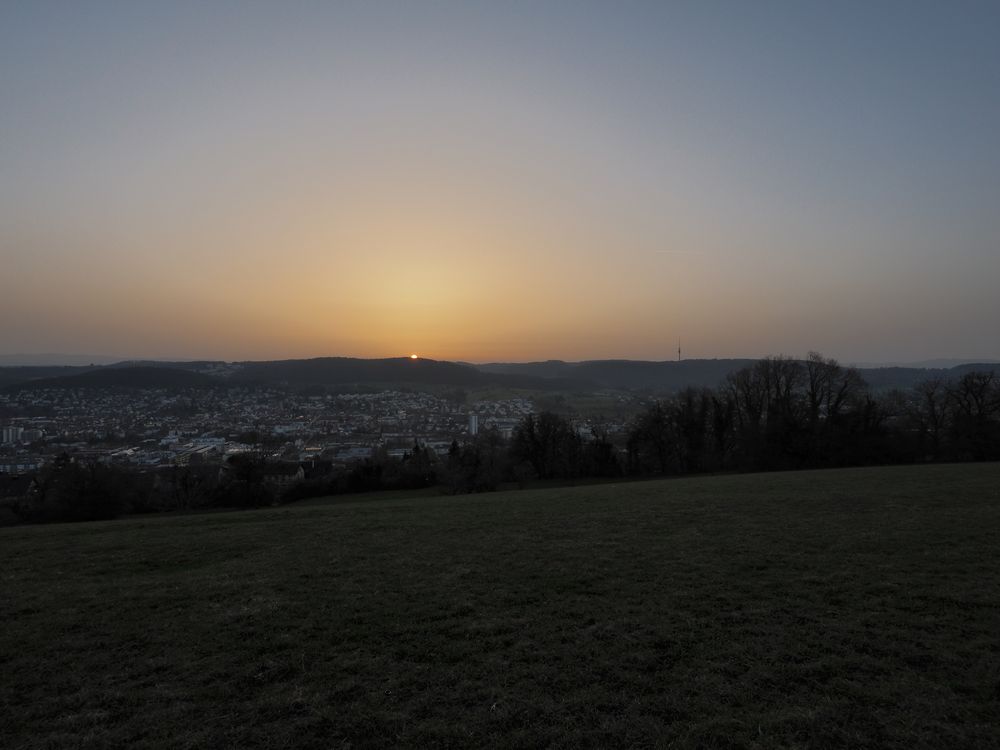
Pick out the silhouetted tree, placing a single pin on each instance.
(70, 490)
(975, 421)
(929, 417)
(652, 443)
(600, 456)
(690, 414)
(549, 444)
(476, 466)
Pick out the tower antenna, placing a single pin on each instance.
(678, 350)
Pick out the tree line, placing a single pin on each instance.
(782, 413)
(779, 413)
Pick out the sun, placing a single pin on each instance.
(414, 356)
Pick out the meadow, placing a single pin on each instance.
(821, 609)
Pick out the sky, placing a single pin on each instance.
(500, 181)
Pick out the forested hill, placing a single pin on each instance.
(124, 377)
(338, 370)
(629, 374)
(16, 374)
(553, 375)
(886, 378)
(290, 373)
(58, 376)
(396, 370)
(669, 376)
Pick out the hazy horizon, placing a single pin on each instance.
(488, 182)
(52, 359)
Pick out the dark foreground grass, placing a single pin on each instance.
(854, 608)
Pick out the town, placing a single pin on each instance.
(151, 429)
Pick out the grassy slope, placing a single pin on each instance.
(819, 609)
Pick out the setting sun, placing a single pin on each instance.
(413, 356)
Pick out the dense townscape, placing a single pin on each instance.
(140, 440)
(75, 453)
(159, 427)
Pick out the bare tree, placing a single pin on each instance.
(929, 412)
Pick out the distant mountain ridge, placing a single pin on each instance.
(123, 377)
(552, 375)
(397, 370)
(624, 374)
(338, 370)
(55, 360)
(928, 364)
(670, 375)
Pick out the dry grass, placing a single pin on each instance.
(852, 608)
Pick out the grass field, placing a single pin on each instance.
(851, 608)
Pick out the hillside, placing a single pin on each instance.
(24, 373)
(851, 608)
(629, 374)
(553, 375)
(393, 371)
(123, 377)
(671, 376)
(886, 378)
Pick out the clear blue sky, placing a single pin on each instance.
(502, 180)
